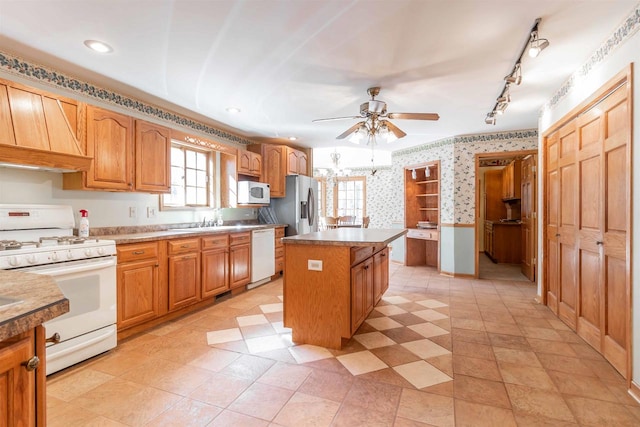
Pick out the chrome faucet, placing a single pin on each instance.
(204, 222)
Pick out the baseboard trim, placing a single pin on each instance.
(458, 275)
(634, 391)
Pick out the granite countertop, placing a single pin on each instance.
(347, 237)
(179, 233)
(41, 299)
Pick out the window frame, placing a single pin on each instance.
(336, 194)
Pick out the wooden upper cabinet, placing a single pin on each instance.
(511, 180)
(153, 158)
(110, 143)
(249, 163)
(296, 162)
(128, 155)
(274, 158)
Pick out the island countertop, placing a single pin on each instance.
(346, 237)
(40, 301)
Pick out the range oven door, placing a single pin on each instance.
(89, 328)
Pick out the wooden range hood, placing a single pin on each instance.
(36, 129)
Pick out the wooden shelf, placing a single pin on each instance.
(422, 203)
(427, 195)
(428, 209)
(428, 181)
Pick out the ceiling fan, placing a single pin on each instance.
(376, 123)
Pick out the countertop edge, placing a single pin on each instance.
(347, 237)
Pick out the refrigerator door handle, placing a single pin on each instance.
(311, 207)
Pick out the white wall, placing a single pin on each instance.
(106, 209)
(616, 53)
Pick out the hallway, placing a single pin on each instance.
(435, 351)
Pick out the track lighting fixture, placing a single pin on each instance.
(414, 175)
(535, 45)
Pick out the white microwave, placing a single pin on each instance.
(251, 192)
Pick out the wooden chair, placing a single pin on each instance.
(365, 222)
(346, 219)
(331, 222)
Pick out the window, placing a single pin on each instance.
(190, 172)
(349, 196)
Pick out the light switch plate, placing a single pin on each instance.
(314, 264)
(133, 212)
(151, 212)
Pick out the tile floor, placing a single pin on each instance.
(436, 351)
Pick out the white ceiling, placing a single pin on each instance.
(285, 63)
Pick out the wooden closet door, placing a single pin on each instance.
(527, 215)
(616, 286)
(567, 180)
(552, 245)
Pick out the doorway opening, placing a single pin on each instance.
(506, 215)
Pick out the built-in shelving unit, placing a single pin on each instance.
(422, 205)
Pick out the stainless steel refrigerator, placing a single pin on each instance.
(298, 208)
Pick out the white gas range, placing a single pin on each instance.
(39, 239)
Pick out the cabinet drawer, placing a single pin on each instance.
(423, 234)
(279, 252)
(137, 251)
(215, 242)
(279, 264)
(183, 245)
(360, 254)
(239, 238)
(279, 232)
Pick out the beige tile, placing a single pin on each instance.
(168, 376)
(248, 367)
(280, 328)
(421, 374)
(395, 299)
(425, 348)
(599, 413)
(76, 384)
(224, 336)
(220, 390)
(256, 331)
(307, 410)
(535, 402)
(187, 412)
(127, 402)
(579, 385)
(328, 385)
(429, 314)
(510, 355)
(432, 303)
(479, 368)
(383, 323)
(369, 394)
(215, 359)
(373, 340)
(471, 349)
(394, 355)
(285, 375)
(256, 319)
(389, 310)
(234, 419)
(428, 330)
(352, 415)
(309, 353)
(427, 408)
(271, 308)
(361, 362)
(481, 391)
(266, 343)
(514, 373)
(261, 401)
(469, 414)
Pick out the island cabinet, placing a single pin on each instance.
(184, 272)
(279, 250)
(138, 283)
(332, 281)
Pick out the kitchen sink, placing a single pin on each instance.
(7, 301)
(216, 228)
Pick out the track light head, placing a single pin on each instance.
(491, 118)
(516, 75)
(536, 45)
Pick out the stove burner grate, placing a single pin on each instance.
(14, 244)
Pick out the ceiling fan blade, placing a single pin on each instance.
(349, 131)
(414, 116)
(396, 130)
(336, 118)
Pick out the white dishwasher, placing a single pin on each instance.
(263, 250)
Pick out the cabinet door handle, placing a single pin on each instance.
(557, 234)
(185, 246)
(599, 242)
(137, 252)
(31, 364)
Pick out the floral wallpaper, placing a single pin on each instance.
(385, 190)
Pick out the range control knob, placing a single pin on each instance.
(32, 258)
(14, 261)
(88, 252)
(69, 255)
(54, 256)
(100, 251)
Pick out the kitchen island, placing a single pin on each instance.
(332, 281)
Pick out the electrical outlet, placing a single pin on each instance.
(151, 212)
(314, 264)
(133, 212)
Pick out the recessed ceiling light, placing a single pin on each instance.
(98, 46)
(233, 110)
(293, 138)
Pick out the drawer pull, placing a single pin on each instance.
(598, 242)
(31, 364)
(55, 338)
(185, 246)
(137, 252)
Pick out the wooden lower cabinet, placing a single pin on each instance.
(503, 242)
(422, 247)
(184, 272)
(240, 259)
(138, 283)
(22, 379)
(361, 292)
(215, 265)
(380, 274)
(279, 248)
